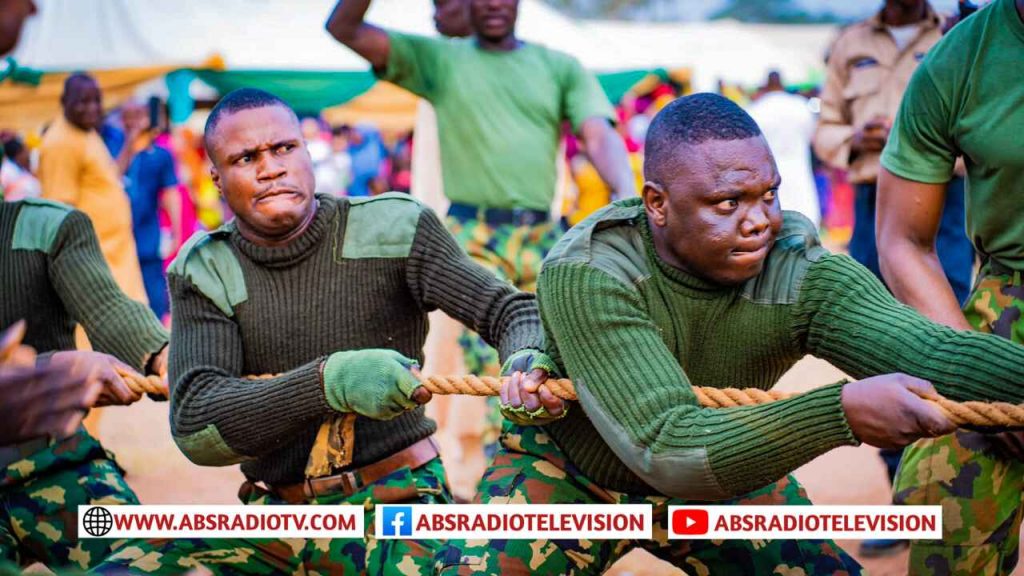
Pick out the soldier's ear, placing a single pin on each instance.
(655, 203)
(215, 176)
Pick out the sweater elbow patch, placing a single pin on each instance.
(208, 448)
(680, 473)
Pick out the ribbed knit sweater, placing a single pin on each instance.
(363, 275)
(634, 333)
(53, 275)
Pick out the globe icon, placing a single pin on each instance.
(97, 521)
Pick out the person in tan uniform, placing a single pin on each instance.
(75, 168)
(869, 67)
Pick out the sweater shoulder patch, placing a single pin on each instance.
(38, 223)
(796, 247)
(207, 261)
(607, 240)
(381, 226)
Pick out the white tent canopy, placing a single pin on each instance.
(728, 50)
(248, 34)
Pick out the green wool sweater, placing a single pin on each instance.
(634, 333)
(53, 275)
(363, 275)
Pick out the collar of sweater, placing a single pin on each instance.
(299, 248)
(675, 278)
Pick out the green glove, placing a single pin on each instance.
(526, 361)
(375, 383)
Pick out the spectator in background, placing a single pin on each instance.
(451, 20)
(152, 185)
(177, 145)
(319, 153)
(333, 171)
(16, 177)
(76, 168)
(868, 70)
(788, 125)
(500, 104)
(401, 165)
(368, 153)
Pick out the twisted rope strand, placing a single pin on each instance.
(143, 384)
(972, 413)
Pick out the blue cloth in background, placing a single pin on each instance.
(113, 137)
(367, 157)
(150, 172)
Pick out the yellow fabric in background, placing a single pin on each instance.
(389, 108)
(75, 168)
(27, 108)
(592, 193)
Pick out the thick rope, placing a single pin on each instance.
(10, 340)
(979, 414)
(143, 384)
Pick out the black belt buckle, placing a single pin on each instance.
(526, 217)
(520, 217)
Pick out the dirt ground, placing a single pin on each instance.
(140, 436)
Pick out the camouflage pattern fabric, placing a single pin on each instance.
(978, 488)
(529, 468)
(514, 254)
(425, 485)
(39, 499)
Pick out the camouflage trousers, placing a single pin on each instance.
(529, 468)
(978, 488)
(39, 499)
(425, 485)
(514, 254)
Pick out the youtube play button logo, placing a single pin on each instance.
(689, 522)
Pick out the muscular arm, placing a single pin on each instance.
(116, 324)
(347, 26)
(441, 275)
(847, 317)
(639, 398)
(607, 152)
(909, 214)
(213, 407)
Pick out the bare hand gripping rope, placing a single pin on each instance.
(977, 414)
(333, 446)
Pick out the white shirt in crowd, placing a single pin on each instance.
(788, 124)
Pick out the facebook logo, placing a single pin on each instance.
(397, 521)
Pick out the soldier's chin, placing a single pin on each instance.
(735, 275)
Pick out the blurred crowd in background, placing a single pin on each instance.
(165, 172)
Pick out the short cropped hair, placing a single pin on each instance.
(693, 119)
(236, 101)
